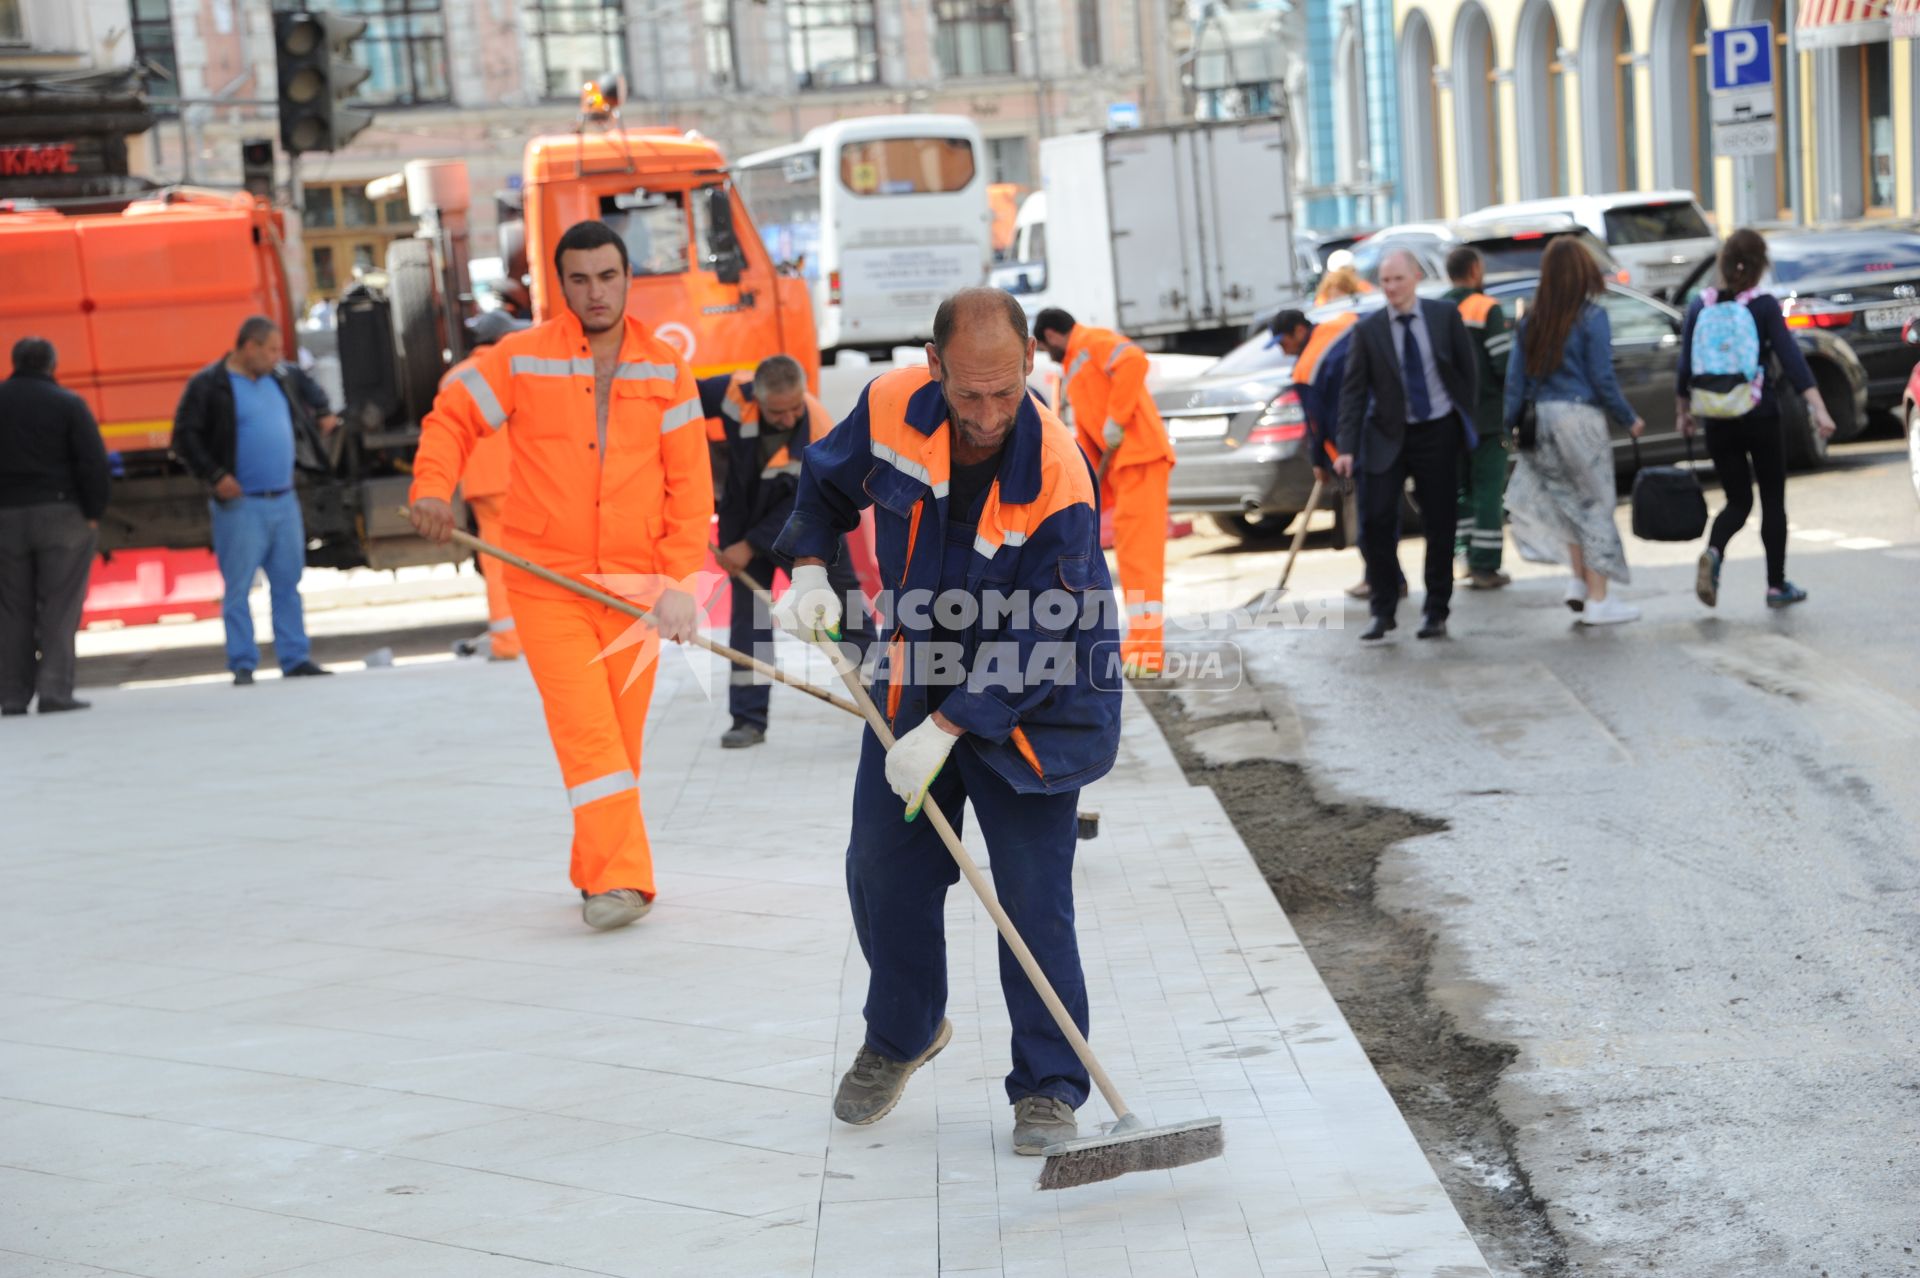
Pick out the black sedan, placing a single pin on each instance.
(1857, 286)
(1240, 436)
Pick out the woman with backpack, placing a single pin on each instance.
(1733, 334)
(1561, 498)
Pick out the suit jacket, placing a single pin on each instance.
(1373, 399)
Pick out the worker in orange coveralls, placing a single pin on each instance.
(1105, 383)
(484, 485)
(609, 482)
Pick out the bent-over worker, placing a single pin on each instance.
(995, 597)
(608, 481)
(769, 418)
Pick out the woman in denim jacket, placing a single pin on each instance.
(1562, 497)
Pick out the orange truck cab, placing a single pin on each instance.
(701, 277)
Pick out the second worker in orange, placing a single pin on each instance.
(1119, 429)
(609, 483)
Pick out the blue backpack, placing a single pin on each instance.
(1726, 379)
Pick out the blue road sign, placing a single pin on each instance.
(1123, 115)
(1742, 57)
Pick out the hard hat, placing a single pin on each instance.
(1339, 259)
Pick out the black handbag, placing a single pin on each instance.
(1668, 502)
(1526, 426)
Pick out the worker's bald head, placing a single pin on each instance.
(981, 355)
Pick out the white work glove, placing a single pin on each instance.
(915, 760)
(810, 608)
(1113, 434)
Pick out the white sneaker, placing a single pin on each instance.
(1608, 612)
(1577, 593)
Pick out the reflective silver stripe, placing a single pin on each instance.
(1015, 539)
(741, 678)
(1079, 362)
(1118, 351)
(749, 430)
(912, 469)
(791, 468)
(535, 366)
(645, 373)
(483, 397)
(730, 408)
(500, 625)
(1144, 609)
(684, 413)
(985, 547)
(981, 546)
(601, 787)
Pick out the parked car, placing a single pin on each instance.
(1508, 248)
(1857, 284)
(1658, 236)
(1910, 404)
(1240, 436)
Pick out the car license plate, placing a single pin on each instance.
(1196, 427)
(1879, 317)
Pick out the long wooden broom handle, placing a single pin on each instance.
(618, 604)
(1300, 538)
(850, 676)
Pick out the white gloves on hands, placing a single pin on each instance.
(915, 760)
(810, 608)
(1113, 434)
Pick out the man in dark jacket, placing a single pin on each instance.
(53, 490)
(241, 425)
(1410, 385)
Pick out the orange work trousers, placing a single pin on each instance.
(1139, 497)
(595, 718)
(504, 637)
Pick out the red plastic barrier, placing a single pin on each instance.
(139, 587)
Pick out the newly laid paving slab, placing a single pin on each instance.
(292, 982)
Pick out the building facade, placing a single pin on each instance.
(73, 122)
(1517, 99)
(474, 79)
(1352, 115)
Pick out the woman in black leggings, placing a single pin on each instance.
(1751, 449)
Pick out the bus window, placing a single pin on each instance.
(907, 166)
(784, 202)
(654, 227)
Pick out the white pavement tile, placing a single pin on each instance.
(353, 1026)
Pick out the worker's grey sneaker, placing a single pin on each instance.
(870, 1090)
(1040, 1121)
(742, 735)
(608, 910)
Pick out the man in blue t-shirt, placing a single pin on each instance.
(235, 428)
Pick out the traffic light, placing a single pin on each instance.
(256, 166)
(316, 78)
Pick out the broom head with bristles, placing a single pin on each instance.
(1130, 1146)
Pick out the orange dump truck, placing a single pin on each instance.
(138, 294)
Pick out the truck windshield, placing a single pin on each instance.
(907, 166)
(653, 225)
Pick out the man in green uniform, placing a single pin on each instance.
(1483, 472)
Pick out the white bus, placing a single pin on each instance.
(882, 215)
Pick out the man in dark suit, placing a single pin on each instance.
(1411, 382)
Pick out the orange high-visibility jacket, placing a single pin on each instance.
(639, 502)
(1106, 380)
(487, 465)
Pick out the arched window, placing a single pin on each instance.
(1476, 117)
(1786, 106)
(1420, 113)
(1700, 78)
(1626, 119)
(1540, 88)
(1349, 103)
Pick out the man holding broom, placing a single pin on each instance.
(996, 608)
(609, 478)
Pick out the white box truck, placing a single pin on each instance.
(1179, 235)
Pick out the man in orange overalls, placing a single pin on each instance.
(1105, 383)
(484, 485)
(609, 482)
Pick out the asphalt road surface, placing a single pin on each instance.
(1680, 871)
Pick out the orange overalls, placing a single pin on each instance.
(628, 510)
(1106, 380)
(484, 485)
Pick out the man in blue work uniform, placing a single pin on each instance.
(768, 418)
(997, 605)
(238, 427)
